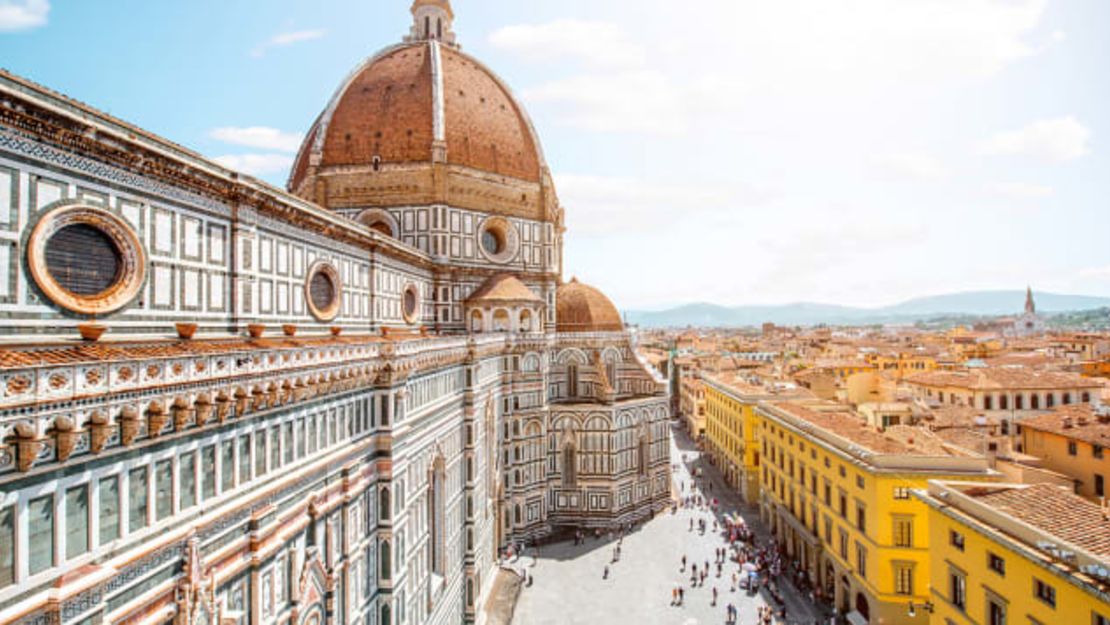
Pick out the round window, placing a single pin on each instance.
(410, 304)
(322, 291)
(492, 242)
(86, 259)
(83, 260)
(498, 239)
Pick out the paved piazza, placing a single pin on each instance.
(568, 586)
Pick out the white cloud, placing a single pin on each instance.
(257, 164)
(596, 43)
(261, 137)
(1020, 190)
(16, 15)
(1060, 139)
(709, 73)
(1099, 273)
(285, 39)
(634, 101)
(914, 165)
(604, 205)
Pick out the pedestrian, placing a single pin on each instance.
(714, 602)
(683, 562)
(605, 573)
(681, 595)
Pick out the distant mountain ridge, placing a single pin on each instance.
(979, 303)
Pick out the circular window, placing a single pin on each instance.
(410, 304)
(498, 239)
(83, 260)
(322, 291)
(86, 259)
(492, 242)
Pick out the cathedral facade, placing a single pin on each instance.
(221, 402)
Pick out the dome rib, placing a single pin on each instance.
(398, 104)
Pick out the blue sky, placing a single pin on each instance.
(737, 151)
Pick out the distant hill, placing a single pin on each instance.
(979, 303)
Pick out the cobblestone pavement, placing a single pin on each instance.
(568, 587)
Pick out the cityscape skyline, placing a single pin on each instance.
(781, 168)
(307, 317)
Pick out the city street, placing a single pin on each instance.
(568, 586)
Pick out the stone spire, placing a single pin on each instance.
(1030, 308)
(432, 20)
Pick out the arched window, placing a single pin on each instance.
(383, 504)
(988, 403)
(1035, 401)
(476, 321)
(386, 561)
(611, 373)
(1003, 402)
(518, 518)
(437, 516)
(643, 459)
(439, 28)
(1086, 397)
(427, 27)
(1049, 400)
(500, 321)
(525, 320)
(570, 468)
(572, 380)
(1019, 402)
(1066, 399)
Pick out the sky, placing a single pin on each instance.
(857, 152)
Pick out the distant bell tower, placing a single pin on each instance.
(432, 19)
(1030, 308)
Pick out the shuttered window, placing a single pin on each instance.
(83, 260)
(322, 290)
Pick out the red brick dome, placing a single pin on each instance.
(413, 106)
(582, 308)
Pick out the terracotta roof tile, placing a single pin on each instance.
(1051, 509)
(1077, 421)
(504, 287)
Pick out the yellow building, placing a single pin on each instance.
(836, 494)
(900, 364)
(691, 405)
(1073, 440)
(1010, 554)
(731, 427)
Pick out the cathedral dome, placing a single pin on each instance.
(582, 308)
(424, 123)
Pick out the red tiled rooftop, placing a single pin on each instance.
(1077, 421)
(1051, 509)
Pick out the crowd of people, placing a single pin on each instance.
(746, 565)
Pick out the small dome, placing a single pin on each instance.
(582, 308)
(504, 288)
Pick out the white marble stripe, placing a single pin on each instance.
(438, 114)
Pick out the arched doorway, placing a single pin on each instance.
(862, 606)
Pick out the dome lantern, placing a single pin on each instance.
(432, 20)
